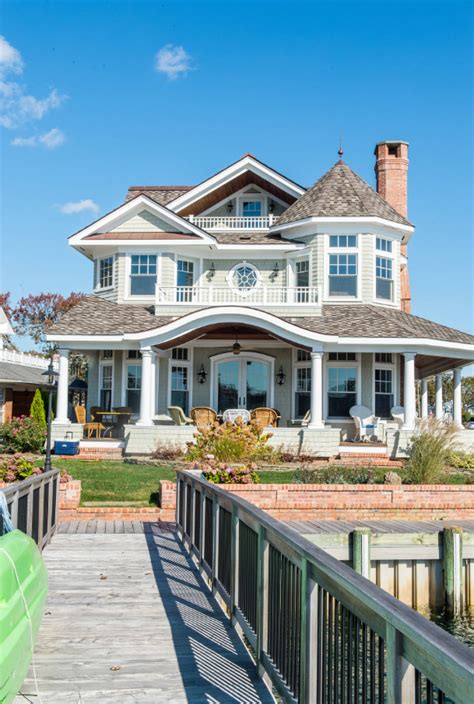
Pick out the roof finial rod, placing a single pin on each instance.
(340, 151)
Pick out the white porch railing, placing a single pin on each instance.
(232, 222)
(224, 295)
(28, 360)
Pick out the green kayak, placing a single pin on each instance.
(15, 631)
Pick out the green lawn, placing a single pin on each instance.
(116, 481)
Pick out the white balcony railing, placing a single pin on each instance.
(228, 222)
(224, 295)
(27, 360)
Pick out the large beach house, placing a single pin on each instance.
(249, 290)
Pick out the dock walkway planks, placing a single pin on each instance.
(129, 620)
(383, 526)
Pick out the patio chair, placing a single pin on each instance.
(365, 422)
(89, 428)
(231, 414)
(398, 415)
(266, 417)
(178, 416)
(203, 417)
(96, 418)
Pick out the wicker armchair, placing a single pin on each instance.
(95, 427)
(266, 417)
(178, 416)
(203, 417)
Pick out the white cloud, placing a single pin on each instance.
(52, 139)
(78, 206)
(10, 58)
(173, 61)
(17, 107)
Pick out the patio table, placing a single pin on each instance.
(122, 417)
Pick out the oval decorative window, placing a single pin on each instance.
(244, 277)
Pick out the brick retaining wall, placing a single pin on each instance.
(355, 501)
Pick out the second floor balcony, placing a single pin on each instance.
(296, 297)
(230, 223)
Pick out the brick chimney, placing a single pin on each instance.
(391, 171)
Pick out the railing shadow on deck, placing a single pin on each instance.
(214, 664)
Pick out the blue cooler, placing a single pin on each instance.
(66, 447)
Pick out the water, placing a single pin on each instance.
(462, 626)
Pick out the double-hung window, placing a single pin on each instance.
(342, 390)
(105, 274)
(143, 274)
(105, 399)
(180, 378)
(343, 265)
(302, 383)
(134, 385)
(384, 278)
(383, 392)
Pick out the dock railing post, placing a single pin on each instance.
(309, 637)
(262, 597)
(234, 563)
(452, 569)
(361, 551)
(400, 674)
(215, 541)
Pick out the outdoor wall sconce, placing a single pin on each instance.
(212, 272)
(275, 272)
(202, 375)
(280, 377)
(230, 206)
(271, 206)
(236, 348)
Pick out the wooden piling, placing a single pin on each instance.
(361, 551)
(452, 568)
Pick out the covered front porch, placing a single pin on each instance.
(229, 359)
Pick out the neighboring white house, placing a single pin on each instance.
(311, 283)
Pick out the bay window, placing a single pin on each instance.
(343, 275)
(143, 274)
(105, 273)
(384, 278)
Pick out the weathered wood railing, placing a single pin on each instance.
(34, 504)
(321, 632)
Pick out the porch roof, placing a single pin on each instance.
(94, 316)
(11, 373)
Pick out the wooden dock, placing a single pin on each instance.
(128, 620)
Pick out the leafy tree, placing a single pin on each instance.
(5, 303)
(34, 314)
(37, 409)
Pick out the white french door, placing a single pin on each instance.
(242, 382)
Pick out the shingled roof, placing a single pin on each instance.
(340, 193)
(97, 316)
(160, 194)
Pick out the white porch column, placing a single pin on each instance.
(409, 391)
(316, 390)
(63, 387)
(439, 396)
(457, 397)
(424, 398)
(154, 378)
(146, 390)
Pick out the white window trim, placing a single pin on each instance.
(189, 363)
(297, 365)
(326, 366)
(106, 363)
(125, 362)
(241, 291)
(256, 197)
(395, 367)
(98, 288)
(393, 255)
(343, 250)
(259, 356)
(128, 273)
(197, 264)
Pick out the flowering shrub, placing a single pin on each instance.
(17, 468)
(231, 442)
(223, 473)
(22, 435)
(64, 477)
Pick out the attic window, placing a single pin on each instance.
(393, 149)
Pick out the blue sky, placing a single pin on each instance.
(90, 114)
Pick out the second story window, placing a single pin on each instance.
(343, 275)
(143, 275)
(184, 280)
(383, 245)
(106, 272)
(302, 281)
(384, 278)
(252, 208)
(244, 277)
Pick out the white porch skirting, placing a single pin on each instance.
(61, 431)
